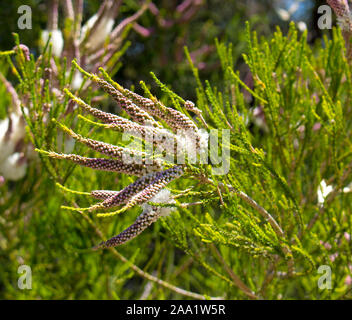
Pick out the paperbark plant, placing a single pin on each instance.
(260, 231)
(152, 118)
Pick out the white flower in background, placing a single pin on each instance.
(284, 14)
(348, 188)
(6, 146)
(302, 26)
(56, 40)
(98, 34)
(12, 131)
(14, 168)
(323, 192)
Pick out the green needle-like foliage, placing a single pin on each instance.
(260, 229)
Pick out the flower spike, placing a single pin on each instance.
(108, 149)
(103, 164)
(140, 191)
(148, 216)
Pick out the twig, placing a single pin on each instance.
(53, 15)
(185, 205)
(117, 31)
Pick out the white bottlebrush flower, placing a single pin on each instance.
(283, 14)
(323, 191)
(302, 26)
(97, 35)
(56, 40)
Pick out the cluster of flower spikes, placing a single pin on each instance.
(149, 189)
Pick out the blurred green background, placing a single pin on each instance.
(33, 228)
